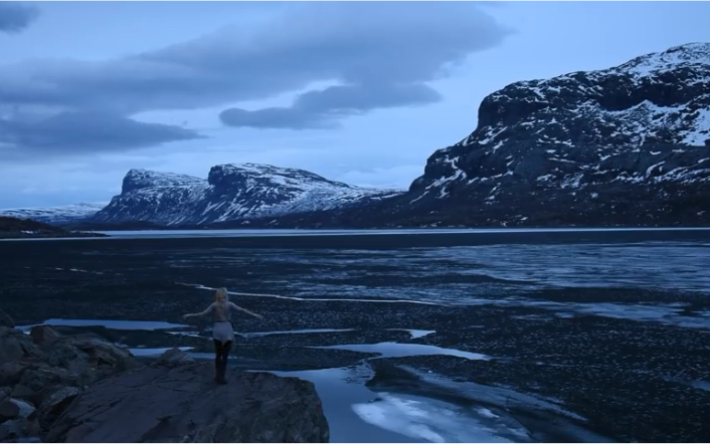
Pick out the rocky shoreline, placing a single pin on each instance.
(82, 388)
(13, 228)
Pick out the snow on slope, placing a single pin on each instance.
(231, 192)
(55, 215)
(588, 127)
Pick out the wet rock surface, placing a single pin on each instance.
(181, 403)
(84, 388)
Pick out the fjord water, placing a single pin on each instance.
(377, 295)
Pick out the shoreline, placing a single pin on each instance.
(375, 240)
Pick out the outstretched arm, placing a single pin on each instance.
(237, 307)
(208, 310)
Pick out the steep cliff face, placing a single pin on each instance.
(601, 143)
(231, 192)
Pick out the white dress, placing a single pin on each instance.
(222, 330)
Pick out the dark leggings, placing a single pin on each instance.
(221, 353)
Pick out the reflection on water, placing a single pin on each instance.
(153, 352)
(425, 419)
(111, 324)
(397, 350)
(357, 414)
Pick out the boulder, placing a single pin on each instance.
(78, 353)
(44, 335)
(183, 404)
(6, 320)
(8, 410)
(11, 372)
(173, 358)
(15, 345)
(37, 383)
(54, 405)
(26, 394)
(12, 431)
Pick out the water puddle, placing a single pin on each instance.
(399, 350)
(358, 414)
(432, 420)
(414, 333)
(304, 331)
(110, 324)
(153, 352)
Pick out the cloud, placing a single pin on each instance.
(16, 16)
(322, 109)
(87, 132)
(379, 54)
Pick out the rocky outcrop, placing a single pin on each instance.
(82, 388)
(181, 403)
(41, 373)
(231, 192)
(623, 145)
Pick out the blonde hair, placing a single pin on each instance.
(221, 299)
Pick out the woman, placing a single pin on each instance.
(222, 333)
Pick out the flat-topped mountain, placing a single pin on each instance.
(231, 192)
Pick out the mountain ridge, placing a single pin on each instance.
(231, 191)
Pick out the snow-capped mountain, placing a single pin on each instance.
(55, 215)
(628, 145)
(231, 192)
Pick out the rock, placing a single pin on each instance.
(183, 404)
(13, 408)
(173, 358)
(44, 335)
(6, 320)
(12, 430)
(25, 393)
(76, 353)
(54, 405)
(15, 345)
(9, 410)
(32, 428)
(43, 379)
(26, 409)
(11, 372)
(4, 393)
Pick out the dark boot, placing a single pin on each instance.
(221, 372)
(217, 371)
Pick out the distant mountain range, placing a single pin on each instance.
(55, 215)
(624, 146)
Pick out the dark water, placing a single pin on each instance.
(464, 305)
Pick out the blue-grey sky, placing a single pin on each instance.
(358, 92)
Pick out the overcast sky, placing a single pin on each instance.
(358, 92)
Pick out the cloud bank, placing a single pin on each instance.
(16, 16)
(378, 55)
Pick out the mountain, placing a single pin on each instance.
(55, 215)
(629, 144)
(231, 192)
(624, 146)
